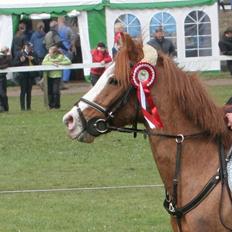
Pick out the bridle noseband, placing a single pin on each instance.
(97, 126)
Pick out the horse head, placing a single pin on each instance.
(111, 101)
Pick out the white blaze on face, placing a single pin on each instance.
(98, 87)
(72, 118)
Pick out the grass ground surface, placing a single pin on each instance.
(36, 154)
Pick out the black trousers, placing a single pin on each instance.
(25, 82)
(3, 93)
(54, 92)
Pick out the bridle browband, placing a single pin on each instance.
(98, 126)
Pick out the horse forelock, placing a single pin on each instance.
(192, 98)
(129, 54)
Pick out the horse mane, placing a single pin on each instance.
(183, 87)
(192, 98)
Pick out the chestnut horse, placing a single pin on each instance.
(186, 150)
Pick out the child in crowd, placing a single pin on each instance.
(5, 61)
(55, 57)
(101, 55)
(26, 57)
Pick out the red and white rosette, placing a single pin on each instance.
(143, 77)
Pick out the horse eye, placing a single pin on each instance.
(113, 81)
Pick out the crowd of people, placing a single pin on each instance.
(56, 46)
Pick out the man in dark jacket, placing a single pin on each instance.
(225, 45)
(5, 61)
(159, 42)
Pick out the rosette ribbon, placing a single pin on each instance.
(143, 77)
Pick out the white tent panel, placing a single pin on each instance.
(84, 39)
(198, 63)
(6, 29)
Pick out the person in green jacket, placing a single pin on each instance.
(55, 57)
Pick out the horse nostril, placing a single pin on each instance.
(69, 122)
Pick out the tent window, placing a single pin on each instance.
(167, 21)
(131, 24)
(197, 28)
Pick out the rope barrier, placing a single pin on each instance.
(180, 61)
(50, 67)
(80, 189)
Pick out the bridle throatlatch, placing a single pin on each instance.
(143, 77)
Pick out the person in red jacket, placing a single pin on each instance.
(99, 55)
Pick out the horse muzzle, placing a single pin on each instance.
(76, 126)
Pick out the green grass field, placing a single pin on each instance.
(35, 153)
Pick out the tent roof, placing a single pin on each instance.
(62, 6)
(146, 4)
(47, 6)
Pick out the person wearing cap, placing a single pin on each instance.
(26, 57)
(225, 45)
(160, 43)
(99, 55)
(5, 61)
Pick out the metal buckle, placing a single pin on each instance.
(179, 138)
(171, 208)
(101, 126)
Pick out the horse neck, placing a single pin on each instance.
(198, 155)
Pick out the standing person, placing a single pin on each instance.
(37, 39)
(52, 37)
(101, 55)
(159, 42)
(67, 38)
(225, 45)
(54, 57)
(5, 61)
(26, 57)
(19, 39)
(118, 29)
(221, 3)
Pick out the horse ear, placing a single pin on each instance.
(150, 54)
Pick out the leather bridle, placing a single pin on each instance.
(97, 126)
